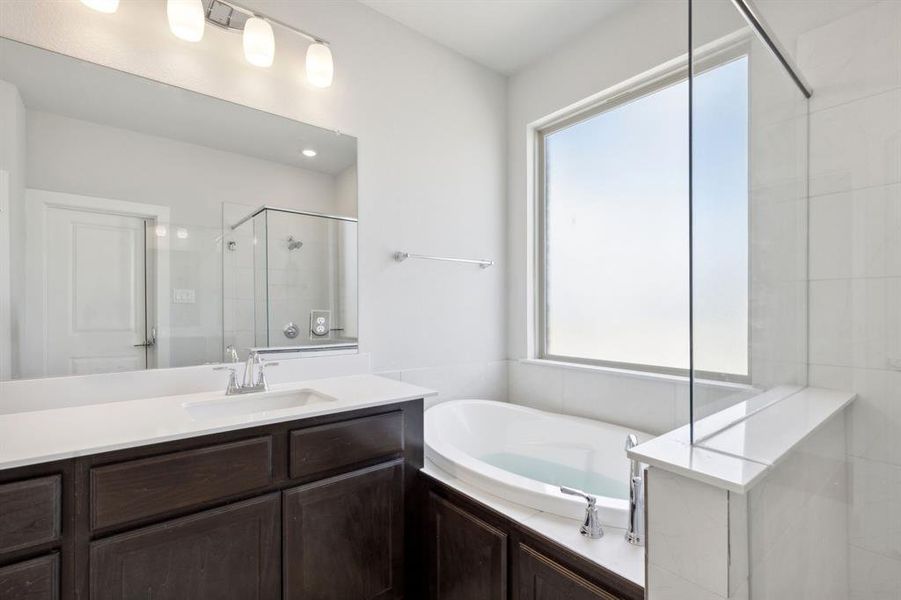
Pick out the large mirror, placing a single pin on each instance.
(146, 226)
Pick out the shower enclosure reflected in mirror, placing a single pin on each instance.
(301, 291)
(114, 254)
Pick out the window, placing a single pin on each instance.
(613, 220)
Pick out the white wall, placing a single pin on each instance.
(12, 225)
(431, 129)
(853, 62)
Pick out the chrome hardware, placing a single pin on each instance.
(232, 387)
(250, 384)
(635, 533)
(483, 263)
(150, 341)
(291, 330)
(591, 528)
(231, 353)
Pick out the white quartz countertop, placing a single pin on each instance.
(733, 449)
(46, 435)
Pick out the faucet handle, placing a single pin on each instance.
(261, 374)
(591, 527)
(232, 378)
(571, 492)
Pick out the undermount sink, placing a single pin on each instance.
(262, 402)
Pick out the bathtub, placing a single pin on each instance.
(524, 455)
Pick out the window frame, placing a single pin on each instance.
(717, 54)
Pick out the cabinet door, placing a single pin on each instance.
(467, 557)
(343, 536)
(36, 579)
(227, 553)
(540, 578)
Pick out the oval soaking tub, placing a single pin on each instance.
(524, 455)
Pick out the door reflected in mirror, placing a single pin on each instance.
(153, 227)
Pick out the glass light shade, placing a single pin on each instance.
(104, 6)
(259, 42)
(320, 68)
(186, 19)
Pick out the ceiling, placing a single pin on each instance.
(504, 35)
(67, 86)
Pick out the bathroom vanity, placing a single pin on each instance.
(316, 506)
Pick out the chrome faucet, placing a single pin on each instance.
(591, 527)
(250, 384)
(635, 533)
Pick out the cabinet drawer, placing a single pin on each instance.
(29, 513)
(36, 579)
(138, 489)
(330, 447)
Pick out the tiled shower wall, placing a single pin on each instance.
(854, 67)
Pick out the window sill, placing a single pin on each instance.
(646, 375)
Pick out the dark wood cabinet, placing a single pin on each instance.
(541, 578)
(343, 537)
(467, 557)
(36, 579)
(228, 553)
(30, 512)
(477, 553)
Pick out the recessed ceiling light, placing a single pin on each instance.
(309, 152)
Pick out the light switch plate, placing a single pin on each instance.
(320, 323)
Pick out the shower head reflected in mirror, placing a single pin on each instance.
(294, 244)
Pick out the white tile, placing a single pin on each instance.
(815, 469)
(466, 380)
(628, 401)
(873, 576)
(874, 419)
(875, 507)
(688, 525)
(664, 585)
(856, 145)
(809, 559)
(853, 57)
(856, 234)
(854, 323)
(739, 545)
(536, 386)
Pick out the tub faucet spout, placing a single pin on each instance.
(635, 533)
(591, 528)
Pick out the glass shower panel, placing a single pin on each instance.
(748, 216)
(305, 280)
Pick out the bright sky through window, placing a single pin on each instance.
(616, 229)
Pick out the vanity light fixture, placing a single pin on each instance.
(259, 40)
(181, 233)
(186, 19)
(161, 231)
(320, 66)
(309, 152)
(104, 6)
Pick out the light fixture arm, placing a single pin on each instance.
(232, 16)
